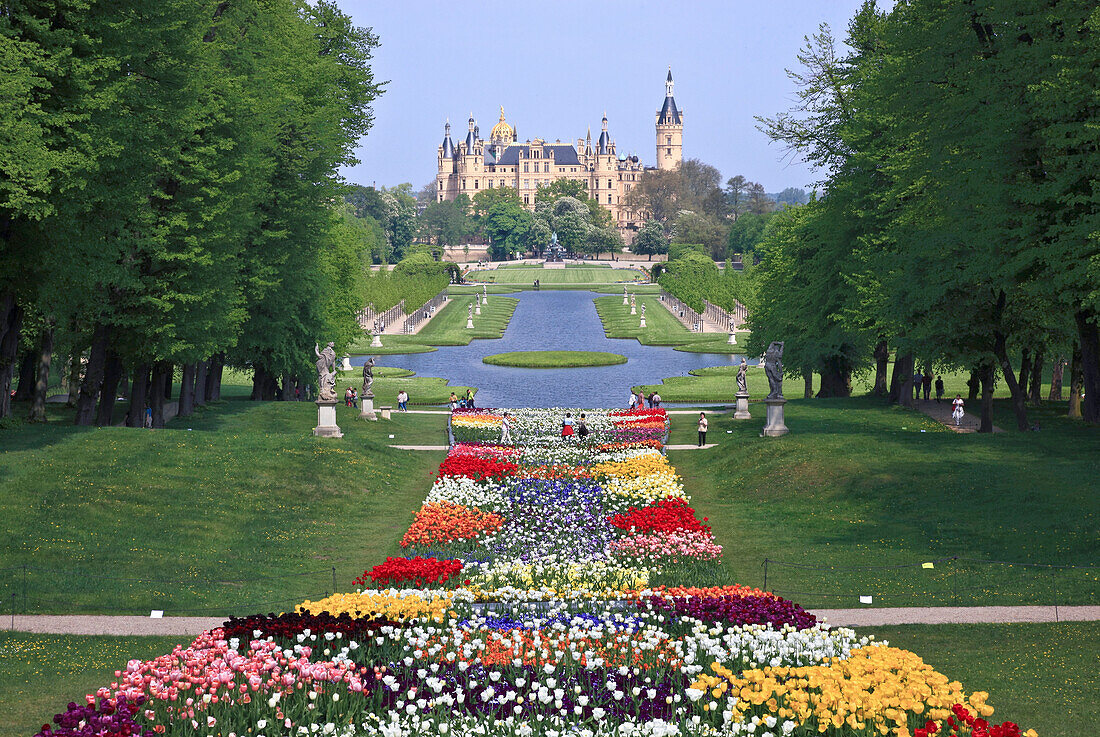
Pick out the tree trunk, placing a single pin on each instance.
(170, 371)
(1056, 372)
(974, 385)
(112, 373)
(76, 363)
(1035, 386)
(1025, 370)
(986, 373)
(286, 390)
(201, 369)
(93, 377)
(11, 323)
(807, 384)
(187, 390)
(1076, 381)
(1019, 401)
(139, 397)
(45, 357)
(1089, 334)
(901, 385)
(259, 376)
(836, 380)
(28, 372)
(882, 358)
(270, 388)
(214, 378)
(162, 374)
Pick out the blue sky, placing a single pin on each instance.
(557, 66)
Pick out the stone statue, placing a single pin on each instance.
(643, 310)
(742, 377)
(368, 376)
(470, 311)
(773, 369)
(326, 372)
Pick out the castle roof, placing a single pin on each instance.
(448, 146)
(669, 114)
(564, 155)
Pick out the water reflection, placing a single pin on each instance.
(548, 321)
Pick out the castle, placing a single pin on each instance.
(475, 164)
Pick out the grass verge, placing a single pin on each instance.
(661, 327)
(858, 496)
(448, 327)
(554, 359)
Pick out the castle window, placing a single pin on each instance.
(476, 182)
(525, 166)
(546, 167)
(668, 140)
(527, 184)
(669, 152)
(490, 184)
(464, 184)
(609, 184)
(501, 182)
(527, 199)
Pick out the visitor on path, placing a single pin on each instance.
(582, 428)
(703, 429)
(148, 418)
(506, 429)
(939, 388)
(470, 398)
(926, 385)
(309, 392)
(347, 397)
(656, 400)
(957, 412)
(403, 401)
(917, 378)
(650, 399)
(567, 427)
(454, 401)
(633, 400)
(297, 394)
(355, 398)
(641, 400)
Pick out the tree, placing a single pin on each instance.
(571, 220)
(655, 194)
(693, 227)
(606, 239)
(792, 196)
(746, 232)
(737, 194)
(366, 201)
(759, 203)
(650, 240)
(559, 188)
(447, 222)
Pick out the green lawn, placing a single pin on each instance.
(857, 484)
(661, 327)
(448, 327)
(579, 275)
(1041, 676)
(554, 359)
(40, 674)
(235, 509)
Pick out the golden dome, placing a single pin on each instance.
(502, 130)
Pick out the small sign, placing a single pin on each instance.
(927, 565)
(391, 437)
(156, 614)
(865, 600)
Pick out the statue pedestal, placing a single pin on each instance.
(626, 300)
(775, 426)
(485, 299)
(345, 363)
(732, 340)
(367, 410)
(742, 411)
(642, 324)
(326, 420)
(633, 310)
(477, 307)
(376, 341)
(469, 323)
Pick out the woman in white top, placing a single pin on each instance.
(957, 412)
(703, 429)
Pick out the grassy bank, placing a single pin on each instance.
(554, 359)
(858, 496)
(1041, 676)
(661, 327)
(448, 327)
(238, 509)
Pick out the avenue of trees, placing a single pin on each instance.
(168, 196)
(959, 225)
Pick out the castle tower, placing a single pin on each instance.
(670, 130)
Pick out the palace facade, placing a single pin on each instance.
(502, 161)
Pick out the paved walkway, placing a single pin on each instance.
(421, 447)
(690, 447)
(85, 624)
(941, 412)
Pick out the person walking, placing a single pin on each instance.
(454, 401)
(703, 429)
(403, 401)
(957, 411)
(355, 398)
(470, 398)
(506, 429)
(567, 427)
(582, 428)
(939, 388)
(297, 394)
(633, 400)
(347, 397)
(641, 400)
(917, 378)
(656, 398)
(926, 384)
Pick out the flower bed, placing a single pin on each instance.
(531, 603)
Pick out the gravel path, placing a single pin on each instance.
(84, 624)
(941, 412)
